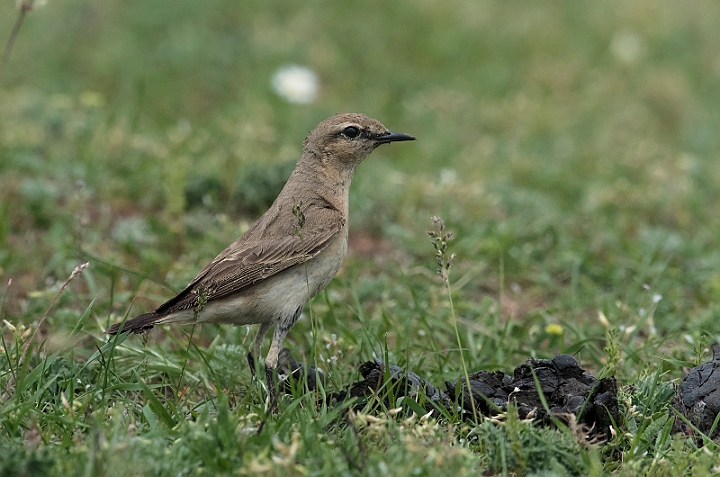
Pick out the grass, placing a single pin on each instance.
(571, 148)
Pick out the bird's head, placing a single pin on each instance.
(348, 138)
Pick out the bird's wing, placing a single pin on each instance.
(269, 247)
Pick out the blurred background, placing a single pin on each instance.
(572, 148)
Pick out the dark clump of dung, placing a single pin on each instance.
(293, 373)
(401, 383)
(697, 399)
(566, 388)
(570, 392)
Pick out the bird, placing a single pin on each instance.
(291, 253)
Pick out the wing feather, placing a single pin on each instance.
(267, 248)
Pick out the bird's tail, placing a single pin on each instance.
(138, 324)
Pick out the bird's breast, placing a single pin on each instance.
(325, 265)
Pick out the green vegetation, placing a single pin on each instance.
(571, 147)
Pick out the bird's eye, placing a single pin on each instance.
(351, 132)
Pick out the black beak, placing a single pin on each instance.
(390, 136)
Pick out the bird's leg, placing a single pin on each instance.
(257, 346)
(251, 363)
(272, 391)
(271, 361)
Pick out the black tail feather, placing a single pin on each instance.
(138, 324)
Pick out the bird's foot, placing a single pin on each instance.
(272, 391)
(251, 362)
(270, 379)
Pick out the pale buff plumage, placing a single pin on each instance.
(290, 253)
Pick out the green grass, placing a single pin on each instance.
(571, 148)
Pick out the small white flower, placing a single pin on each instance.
(627, 46)
(296, 84)
(656, 297)
(448, 176)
